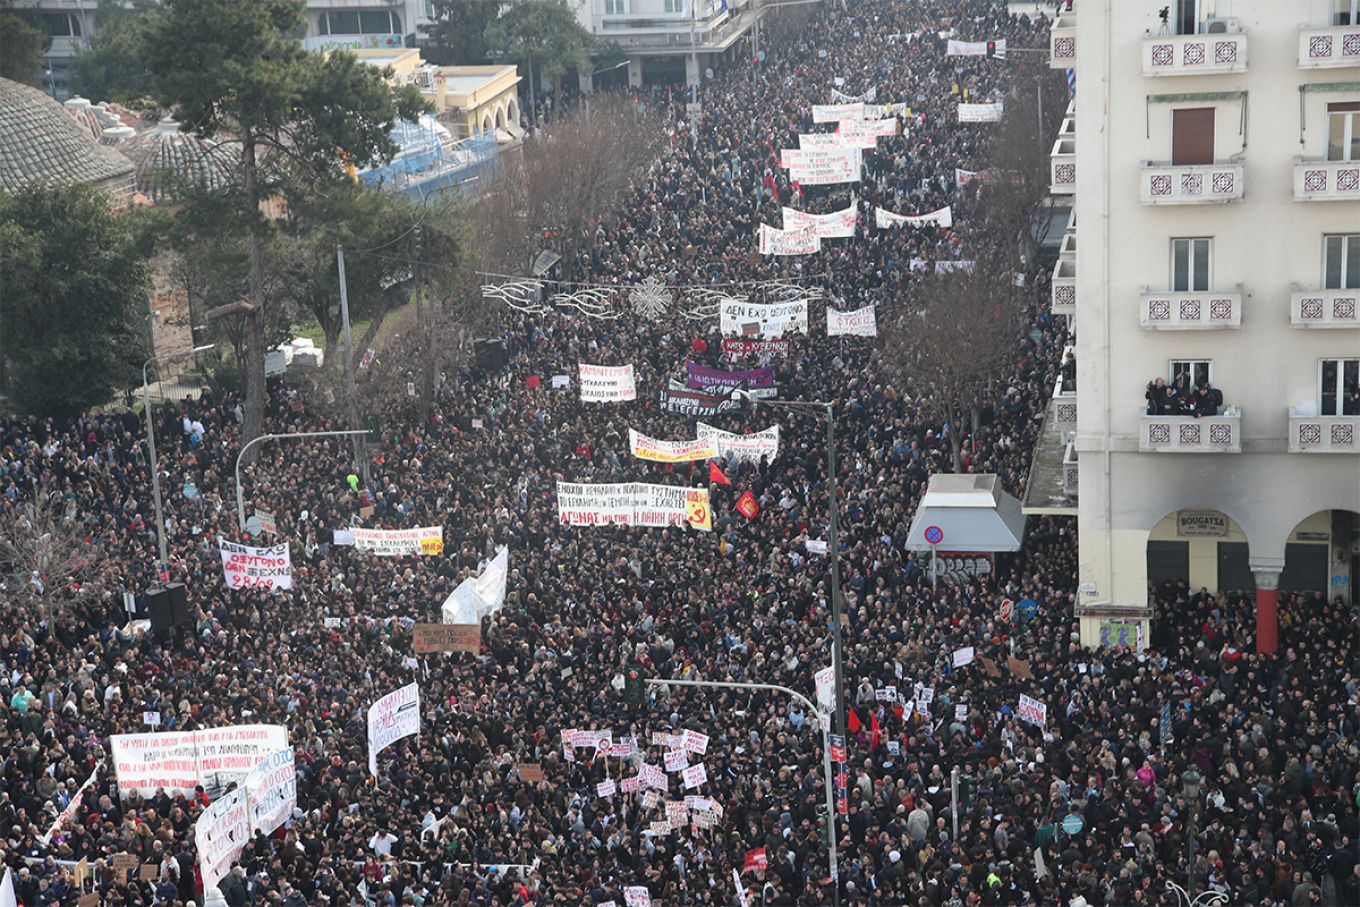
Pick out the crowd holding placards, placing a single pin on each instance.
(524, 775)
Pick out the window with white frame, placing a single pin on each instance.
(359, 22)
(675, 6)
(1190, 265)
(1343, 131)
(1339, 387)
(1341, 262)
(1187, 373)
(1346, 12)
(615, 7)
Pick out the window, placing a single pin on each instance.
(675, 6)
(1341, 262)
(359, 22)
(62, 25)
(615, 7)
(1339, 386)
(1190, 265)
(1196, 372)
(1345, 12)
(1343, 131)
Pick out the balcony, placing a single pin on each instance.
(1186, 434)
(1070, 472)
(1190, 184)
(1317, 180)
(1322, 434)
(1065, 287)
(1062, 42)
(1067, 250)
(1062, 167)
(1329, 48)
(1323, 308)
(1170, 311)
(1194, 55)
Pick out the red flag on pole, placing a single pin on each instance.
(747, 505)
(876, 732)
(852, 721)
(716, 475)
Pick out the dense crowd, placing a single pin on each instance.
(448, 819)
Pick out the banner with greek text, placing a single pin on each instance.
(980, 113)
(834, 113)
(836, 225)
(607, 383)
(732, 347)
(824, 165)
(631, 504)
(993, 175)
(68, 814)
(391, 718)
(645, 448)
(840, 97)
(271, 790)
(760, 381)
(244, 567)
(746, 447)
(679, 400)
(220, 834)
(400, 542)
(860, 323)
(753, 319)
(180, 761)
(1033, 711)
(774, 241)
(885, 219)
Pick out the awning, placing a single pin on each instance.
(970, 512)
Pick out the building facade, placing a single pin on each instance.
(1214, 160)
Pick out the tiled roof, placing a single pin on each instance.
(40, 140)
(165, 152)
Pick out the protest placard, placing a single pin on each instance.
(391, 718)
(427, 638)
(244, 567)
(607, 383)
(859, 323)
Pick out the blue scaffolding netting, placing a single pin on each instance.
(431, 161)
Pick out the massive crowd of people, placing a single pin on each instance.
(449, 820)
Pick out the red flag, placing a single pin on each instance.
(876, 731)
(533, 381)
(716, 475)
(755, 860)
(747, 505)
(852, 721)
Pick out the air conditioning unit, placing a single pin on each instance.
(1225, 26)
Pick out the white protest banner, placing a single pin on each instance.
(963, 656)
(645, 448)
(815, 546)
(68, 813)
(220, 834)
(258, 568)
(654, 777)
(774, 241)
(961, 711)
(885, 219)
(606, 788)
(1033, 711)
(755, 446)
(629, 785)
(637, 896)
(836, 225)
(660, 828)
(391, 718)
(962, 176)
(694, 776)
(400, 542)
(826, 682)
(980, 113)
(822, 165)
(677, 760)
(179, 761)
(894, 747)
(632, 504)
(946, 267)
(831, 113)
(840, 97)
(741, 889)
(695, 742)
(271, 790)
(267, 522)
(753, 319)
(694, 801)
(491, 584)
(151, 718)
(607, 383)
(650, 798)
(975, 48)
(561, 381)
(859, 323)
(838, 139)
(227, 754)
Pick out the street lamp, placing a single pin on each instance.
(240, 495)
(826, 759)
(163, 564)
(833, 547)
(1190, 786)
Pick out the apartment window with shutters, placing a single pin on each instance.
(1339, 386)
(1341, 262)
(1190, 265)
(1192, 136)
(1343, 131)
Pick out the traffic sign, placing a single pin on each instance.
(934, 535)
(1007, 609)
(1072, 824)
(1028, 608)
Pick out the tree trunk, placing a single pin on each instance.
(255, 353)
(331, 341)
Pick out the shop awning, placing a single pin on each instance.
(970, 512)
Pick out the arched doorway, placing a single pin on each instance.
(500, 117)
(486, 123)
(512, 111)
(1197, 548)
(1322, 554)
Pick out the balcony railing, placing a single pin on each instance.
(1190, 184)
(1186, 434)
(1323, 434)
(1062, 42)
(1065, 287)
(1170, 311)
(1326, 181)
(1070, 472)
(1062, 167)
(1068, 249)
(1323, 308)
(1194, 55)
(1329, 48)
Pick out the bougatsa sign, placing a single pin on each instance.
(260, 568)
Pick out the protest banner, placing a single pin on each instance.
(840, 97)
(400, 542)
(760, 381)
(271, 791)
(989, 666)
(755, 860)
(859, 323)
(860, 139)
(226, 755)
(180, 761)
(886, 219)
(606, 788)
(975, 48)
(961, 711)
(607, 383)
(694, 776)
(695, 742)
(681, 401)
(220, 834)
(836, 225)
(676, 760)
(1033, 711)
(993, 175)
(427, 638)
(69, 811)
(632, 504)
(733, 347)
(980, 113)
(752, 319)
(267, 522)
(833, 113)
(391, 718)
(823, 165)
(491, 584)
(256, 568)
(774, 241)
(637, 896)
(742, 897)
(645, 448)
(825, 680)
(1019, 668)
(755, 446)
(963, 656)
(530, 772)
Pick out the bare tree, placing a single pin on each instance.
(48, 558)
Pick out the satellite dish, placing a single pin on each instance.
(760, 55)
(708, 73)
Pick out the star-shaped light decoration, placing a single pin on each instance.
(650, 298)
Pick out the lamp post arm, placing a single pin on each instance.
(240, 495)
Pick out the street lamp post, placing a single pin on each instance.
(151, 445)
(833, 548)
(1190, 782)
(240, 495)
(826, 759)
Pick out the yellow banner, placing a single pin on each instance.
(696, 509)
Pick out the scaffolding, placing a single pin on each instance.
(432, 162)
